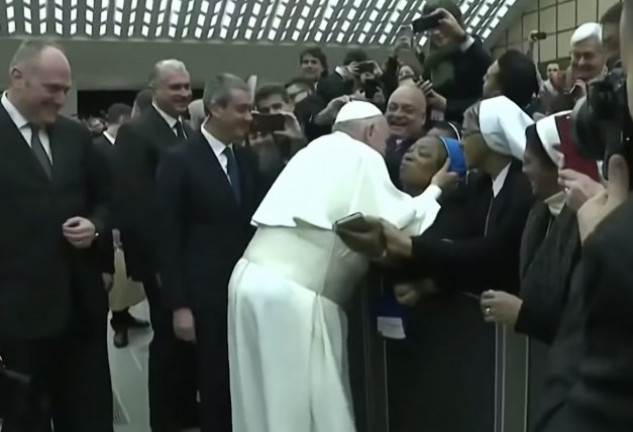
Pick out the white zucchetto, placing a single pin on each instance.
(357, 110)
(502, 124)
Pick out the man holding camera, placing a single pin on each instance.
(275, 133)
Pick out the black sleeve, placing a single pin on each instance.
(478, 59)
(536, 323)
(170, 195)
(476, 263)
(98, 186)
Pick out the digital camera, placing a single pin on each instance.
(601, 124)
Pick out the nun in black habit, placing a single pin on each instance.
(447, 363)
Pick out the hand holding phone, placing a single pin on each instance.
(268, 123)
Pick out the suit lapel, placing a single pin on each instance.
(246, 176)
(59, 152)
(16, 147)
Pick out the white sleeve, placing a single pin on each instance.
(376, 196)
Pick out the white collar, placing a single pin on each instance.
(109, 137)
(555, 203)
(171, 120)
(217, 146)
(499, 180)
(17, 117)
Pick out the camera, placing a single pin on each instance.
(601, 125)
(427, 22)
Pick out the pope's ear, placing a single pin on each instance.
(371, 130)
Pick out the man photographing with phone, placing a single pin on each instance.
(456, 63)
(275, 134)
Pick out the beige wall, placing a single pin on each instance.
(559, 18)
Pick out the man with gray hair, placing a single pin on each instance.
(287, 329)
(140, 145)
(55, 201)
(208, 191)
(588, 61)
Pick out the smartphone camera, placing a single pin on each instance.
(366, 67)
(427, 22)
(268, 123)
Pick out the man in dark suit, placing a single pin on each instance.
(139, 147)
(55, 194)
(122, 320)
(208, 191)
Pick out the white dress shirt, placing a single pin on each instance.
(23, 126)
(109, 137)
(499, 181)
(218, 148)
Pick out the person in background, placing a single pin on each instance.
(313, 64)
(140, 145)
(299, 89)
(455, 66)
(196, 114)
(514, 76)
(406, 116)
(275, 148)
(121, 298)
(610, 23)
(142, 101)
(588, 61)
(207, 191)
(343, 81)
(55, 201)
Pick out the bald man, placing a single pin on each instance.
(406, 116)
(54, 195)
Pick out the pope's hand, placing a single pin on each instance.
(184, 325)
(444, 178)
(596, 209)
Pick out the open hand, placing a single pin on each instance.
(578, 187)
(445, 179)
(500, 307)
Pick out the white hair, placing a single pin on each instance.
(163, 65)
(587, 31)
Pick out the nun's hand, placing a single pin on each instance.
(578, 187)
(444, 178)
(500, 307)
(597, 208)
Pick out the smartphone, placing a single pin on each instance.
(540, 36)
(353, 222)
(268, 123)
(427, 22)
(366, 67)
(573, 160)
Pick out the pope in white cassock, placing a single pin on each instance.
(287, 330)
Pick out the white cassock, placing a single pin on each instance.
(287, 331)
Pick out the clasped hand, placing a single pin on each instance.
(79, 232)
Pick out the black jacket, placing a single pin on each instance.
(140, 145)
(204, 231)
(42, 277)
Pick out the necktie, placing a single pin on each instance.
(39, 152)
(180, 130)
(233, 173)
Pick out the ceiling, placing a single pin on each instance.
(325, 22)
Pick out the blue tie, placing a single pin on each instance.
(233, 173)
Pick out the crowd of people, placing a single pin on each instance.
(247, 219)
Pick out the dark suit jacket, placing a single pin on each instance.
(205, 231)
(42, 277)
(602, 396)
(140, 145)
(105, 242)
